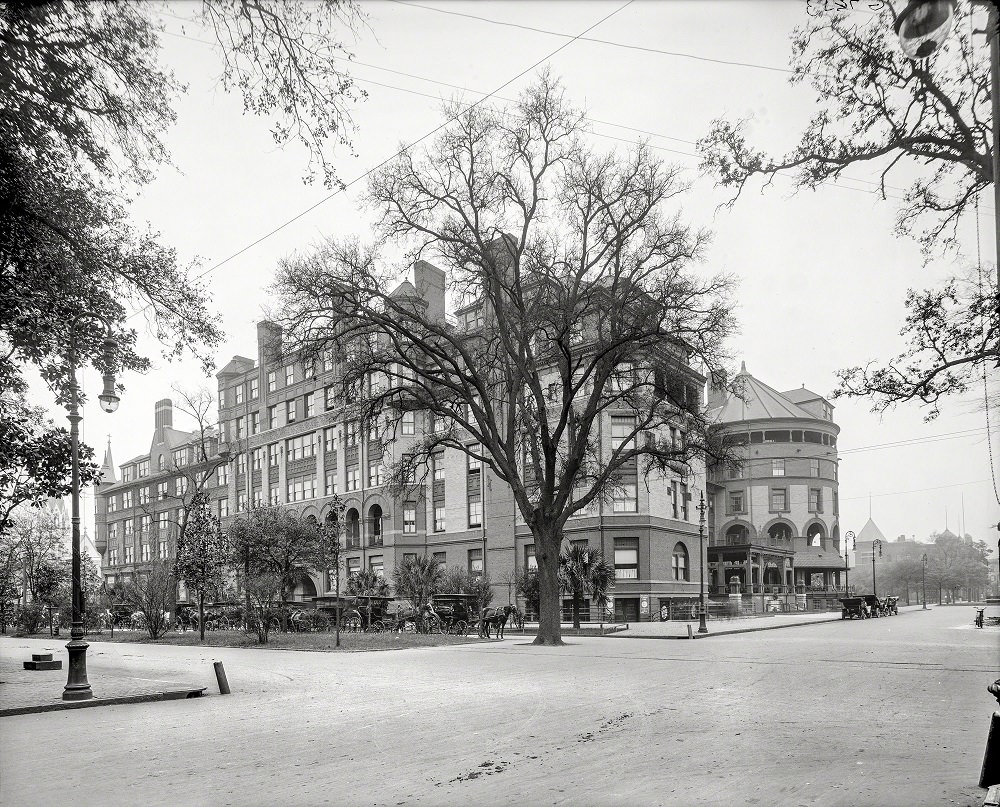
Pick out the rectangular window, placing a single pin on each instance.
(309, 370)
(779, 500)
(289, 375)
(376, 473)
(474, 463)
(626, 558)
(238, 391)
(143, 468)
(128, 498)
(475, 514)
(408, 423)
(625, 499)
(254, 422)
(127, 473)
(353, 566)
(272, 417)
(685, 499)
(254, 389)
(733, 472)
(113, 557)
(161, 492)
(143, 495)
(301, 447)
(329, 439)
(180, 457)
(310, 404)
(162, 521)
(144, 553)
(353, 478)
(736, 501)
(441, 558)
(437, 463)
(621, 428)
(409, 518)
(241, 463)
(272, 381)
(257, 497)
(327, 361)
(815, 500)
(813, 467)
(274, 494)
(223, 474)
(330, 398)
(258, 458)
(330, 483)
(352, 433)
(301, 487)
(113, 500)
(240, 428)
(439, 520)
(274, 454)
(674, 496)
(164, 548)
(241, 501)
(376, 565)
(290, 411)
(130, 554)
(530, 561)
(476, 562)
(777, 467)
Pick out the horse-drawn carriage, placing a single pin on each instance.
(457, 613)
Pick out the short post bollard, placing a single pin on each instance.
(220, 674)
(690, 631)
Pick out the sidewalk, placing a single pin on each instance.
(724, 627)
(26, 692)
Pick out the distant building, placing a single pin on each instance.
(775, 515)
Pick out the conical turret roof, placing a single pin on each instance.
(758, 402)
(108, 476)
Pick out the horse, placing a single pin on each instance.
(495, 618)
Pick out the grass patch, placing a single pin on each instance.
(349, 642)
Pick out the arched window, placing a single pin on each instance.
(353, 527)
(737, 535)
(375, 525)
(815, 535)
(680, 563)
(780, 534)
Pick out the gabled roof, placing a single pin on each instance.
(814, 557)
(870, 532)
(801, 394)
(759, 402)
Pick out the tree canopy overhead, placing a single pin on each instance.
(576, 297)
(876, 105)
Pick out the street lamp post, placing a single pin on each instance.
(876, 543)
(77, 686)
(702, 627)
(848, 536)
(923, 580)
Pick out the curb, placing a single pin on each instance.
(730, 632)
(142, 697)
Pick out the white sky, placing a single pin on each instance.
(822, 276)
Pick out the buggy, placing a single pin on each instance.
(457, 612)
(876, 607)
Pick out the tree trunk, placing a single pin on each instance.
(201, 614)
(547, 555)
(283, 610)
(577, 603)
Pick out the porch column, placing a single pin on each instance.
(749, 573)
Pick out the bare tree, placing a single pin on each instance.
(578, 298)
(151, 593)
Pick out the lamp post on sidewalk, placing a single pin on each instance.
(77, 686)
(702, 627)
(848, 536)
(923, 580)
(876, 543)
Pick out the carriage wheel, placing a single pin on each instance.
(461, 628)
(378, 626)
(353, 624)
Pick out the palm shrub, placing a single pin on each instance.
(584, 570)
(417, 579)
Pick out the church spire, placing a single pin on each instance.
(108, 468)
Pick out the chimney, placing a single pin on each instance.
(268, 342)
(430, 282)
(164, 417)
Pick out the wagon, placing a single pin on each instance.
(853, 607)
(457, 612)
